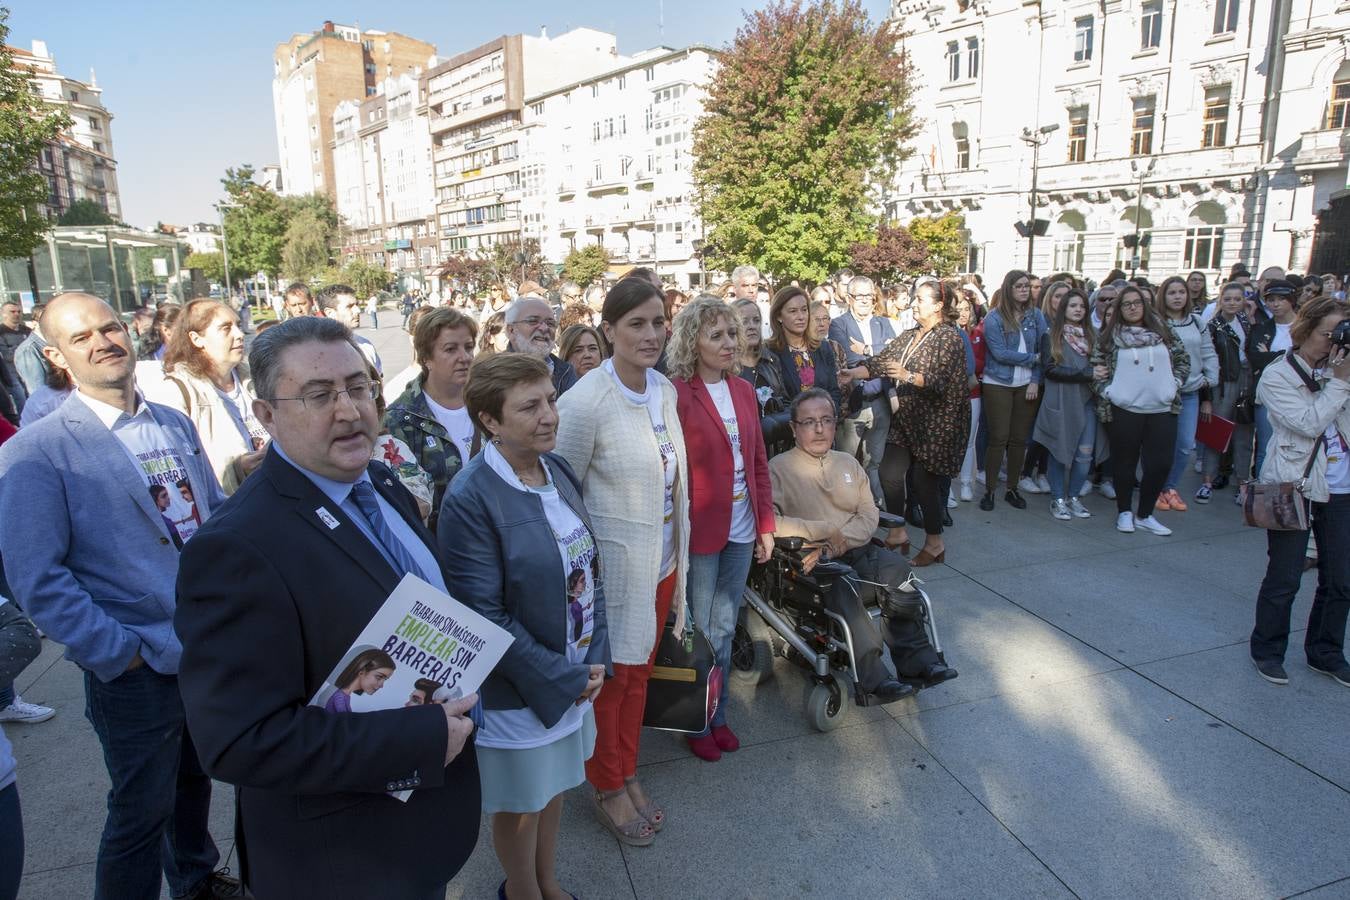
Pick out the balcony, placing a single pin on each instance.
(1325, 149)
(609, 184)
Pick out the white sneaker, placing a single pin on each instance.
(951, 500)
(1086, 489)
(21, 711)
(1108, 490)
(979, 476)
(1028, 485)
(967, 493)
(1060, 510)
(1149, 523)
(1043, 483)
(1125, 522)
(1199, 465)
(1078, 509)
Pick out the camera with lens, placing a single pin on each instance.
(1340, 335)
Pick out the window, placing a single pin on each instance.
(1082, 39)
(98, 148)
(1125, 253)
(1204, 237)
(972, 58)
(1338, 111)
(95, 125)
(1150, 25)
(74, 96)
(1216, 117)
(623, 82)
(953, 61)
(963, 153)
(537, 108)
(1070, 241)
(595, 90)
(1078, 133)
(651, 74)
(1226, 16)
(1141, 135)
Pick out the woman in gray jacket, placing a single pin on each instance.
(519, 548)
(1067, 425)
(1174, 305)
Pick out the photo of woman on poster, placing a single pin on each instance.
(365, 674)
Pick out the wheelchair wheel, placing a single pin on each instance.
(751, 649)
(825, 705)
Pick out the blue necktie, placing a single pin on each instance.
(394, 550)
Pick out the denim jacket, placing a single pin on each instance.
(1001, 353)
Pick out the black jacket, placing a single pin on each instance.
(269, 599)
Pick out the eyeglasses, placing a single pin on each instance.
(824, 422)
(1132, 304)
(319, 401)
(536, 321)
(863, 296)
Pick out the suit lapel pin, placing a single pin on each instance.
(327, 518)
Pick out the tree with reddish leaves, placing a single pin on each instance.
(893, 254)
(807, 117)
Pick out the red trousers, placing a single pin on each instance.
(618, 709)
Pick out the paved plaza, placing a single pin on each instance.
(1107, 737)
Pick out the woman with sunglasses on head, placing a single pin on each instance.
(1307, 395)
(620, 431)
(1067, 422)
(1138, 367)
(1231, 397)
(1012, 382)
(1174, 306)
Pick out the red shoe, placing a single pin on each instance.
(726, 739)
(705, 748)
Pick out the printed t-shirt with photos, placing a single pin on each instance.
(650, 398)
(742, 517)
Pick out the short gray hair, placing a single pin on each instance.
(264, 357)
(741, 271)
(513, 311)
(858, 281)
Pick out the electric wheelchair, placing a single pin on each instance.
(785, 614)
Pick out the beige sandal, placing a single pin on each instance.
(655, 815)
(637, 833)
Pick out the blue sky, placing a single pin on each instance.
(189, 83)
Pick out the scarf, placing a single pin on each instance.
(1136, 336)
(1074, 336)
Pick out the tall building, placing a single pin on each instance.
(1163, 136)
(476, 103)
(382, 175)
(312, 74)
(607, 161)
(80, 164)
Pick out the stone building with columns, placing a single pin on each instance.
(1161, 135)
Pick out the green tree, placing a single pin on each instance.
(808, 114)
(211, 265)
(255, 223)
(945, 239)
(892, 254)
(27, 125)
(585, 264)
(86, 212)
(306, 252)
(467, 273)
(365, 278)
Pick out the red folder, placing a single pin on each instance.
(1215, 434)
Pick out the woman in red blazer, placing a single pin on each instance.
(730, 501)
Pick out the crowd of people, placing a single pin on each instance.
(583, 470)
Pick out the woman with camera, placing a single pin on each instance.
(1306, 395)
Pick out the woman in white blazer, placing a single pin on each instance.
(620, 432)
(204, 379)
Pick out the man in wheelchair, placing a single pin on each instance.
(823, 496)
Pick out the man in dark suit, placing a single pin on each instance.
(272, 592)
(863, 334)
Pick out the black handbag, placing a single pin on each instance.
(686, 681)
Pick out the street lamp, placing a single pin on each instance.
(224, 244)
(1141, 172)
(1036, 139)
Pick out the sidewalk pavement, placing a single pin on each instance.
(1107, 737)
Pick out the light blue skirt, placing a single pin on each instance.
(524, 781)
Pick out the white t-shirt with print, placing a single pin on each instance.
(1338, 461)
(670, 461)
(519, 729)
(742, 516)
(456, 423)
(239, 403)
(1281, 340)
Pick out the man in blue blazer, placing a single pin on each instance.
(272, 592)
(92, 518)
(863, 334)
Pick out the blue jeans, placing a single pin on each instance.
(1187, 420)
(160, 797)
(1324, 640)
(715, 586)
(11, 842)
(1264, 432)
(1082, 460)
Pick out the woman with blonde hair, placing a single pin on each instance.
(581, 347)
(205, 378)
(730, 500)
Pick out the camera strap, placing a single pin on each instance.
(1308, 381)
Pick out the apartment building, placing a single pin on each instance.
(1163, 135)
(607, 161)
(312, 74)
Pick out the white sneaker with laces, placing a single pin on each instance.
(1043, 483)
(1028, 485)
(1060, 510)
(21, 711)
(1078, 509)
(1108, 490)
(1125, 522)
(967, 493)
(951, 500)
(1149, 523)
(1087, 488)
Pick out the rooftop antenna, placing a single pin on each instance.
(661, 19)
